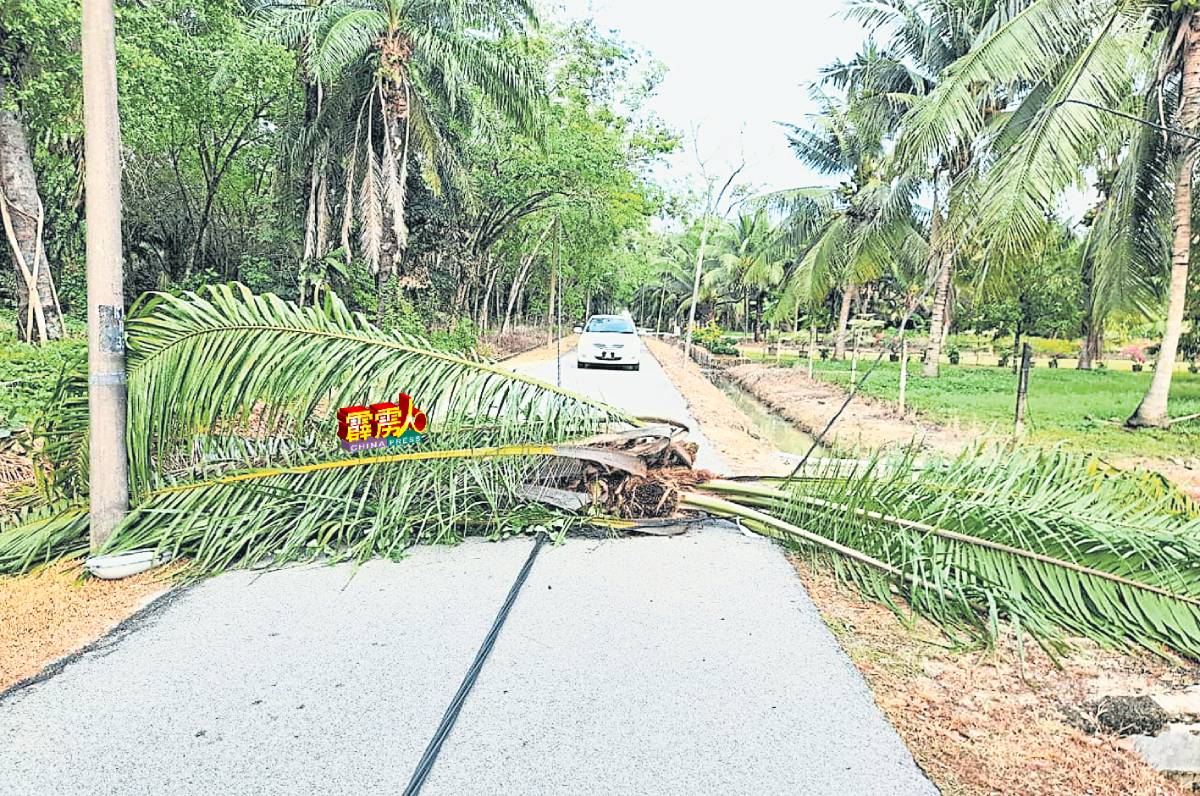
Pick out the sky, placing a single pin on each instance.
(734, 71)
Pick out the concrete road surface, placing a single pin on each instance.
(688, 665)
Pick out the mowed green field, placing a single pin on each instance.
(1068, 406)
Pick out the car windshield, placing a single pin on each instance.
(621, 325)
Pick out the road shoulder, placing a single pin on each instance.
(977, 723)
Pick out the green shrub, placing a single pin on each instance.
(714, 340)
(29, 373)
(708, 334)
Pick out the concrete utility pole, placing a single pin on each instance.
(108, 465)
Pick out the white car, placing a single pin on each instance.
(609, 340)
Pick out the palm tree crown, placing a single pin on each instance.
(397, 81)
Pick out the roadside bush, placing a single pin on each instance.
(708, 334)
(714, 340)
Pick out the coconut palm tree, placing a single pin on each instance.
(840, 238)
(1076, 59)
(922, 39)
(395, 81)
(747, 264)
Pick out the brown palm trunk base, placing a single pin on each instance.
(1152, 411)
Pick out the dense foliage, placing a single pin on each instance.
(254, 150)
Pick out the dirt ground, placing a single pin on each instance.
(988, 723)
(52, 612)
(873, 423)
(979, 723)
(539, 354)
(723, 423)
(865, 423)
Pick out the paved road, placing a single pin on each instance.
(688, 665)
(645, 392)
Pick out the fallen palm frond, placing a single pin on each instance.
(227, 359)
(42, 535)
(1044, 540)
(227, 387)
(351, 508)
(226, 363)
(346, 510)
(234, 462)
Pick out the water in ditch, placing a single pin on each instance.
(782, 433)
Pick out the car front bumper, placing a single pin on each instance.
(609, 357)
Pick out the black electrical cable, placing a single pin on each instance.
(455, 707)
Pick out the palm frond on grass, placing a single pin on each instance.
(1050, 542)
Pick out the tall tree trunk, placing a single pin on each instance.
(22, 211)
(937, 317)
(465, 280)
(691, 326)
(1016, 352)
(941, 291)
(839, 341)
(1152, 411)
(522, 275)
(948, 311)
(758, 312)
(485, 310)
(312, 109)
(310, 217)
(1093, 343)
(550, 314)
(1092, 326)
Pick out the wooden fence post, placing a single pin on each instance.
(854, 362)
(812, 348)
(903, 372)
(1022, 389)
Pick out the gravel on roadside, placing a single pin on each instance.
(53, 612)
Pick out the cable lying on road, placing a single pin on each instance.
(451, 715)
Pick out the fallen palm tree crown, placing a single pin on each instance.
(234, 462)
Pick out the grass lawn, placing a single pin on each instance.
(1065, 405)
